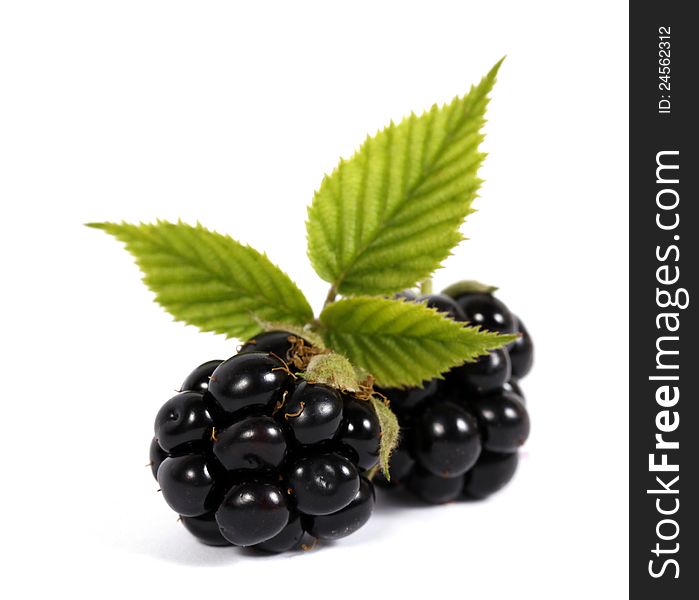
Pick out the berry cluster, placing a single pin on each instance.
(460, 435)
(249, 454)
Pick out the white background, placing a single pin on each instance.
(231, 115)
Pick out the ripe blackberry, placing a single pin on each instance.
(360, 433)
(503, 421)
(407, 400)
(183, 420)
(513, 386)
(187, 484)
(444, 439)
(313, 413)
(255, 456)
(323, 484)
(287, 539)
(346, 520)
(253, 379)
(278, 343)
(252, 512)
(487, 311)
(198, 380)
(460, 436)
(157, 456)
(486, 374)
(254, 443)
(432, 488)
(444, 304)
(205, 529)
(491, 473)
(521, 352)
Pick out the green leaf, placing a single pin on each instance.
(402, 343)
(390, 431)
(387, 217)
(209, 280)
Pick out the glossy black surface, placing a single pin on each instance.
(487, 311)
(445, 440)
(513, 386)
(183, 419)
(198, 380)
(252, 512)
(186, 484)
(521, 352)
(313, 412)
(432, 488)
(253, 443)
(401, 463)
(287, 539)
(323, 484)
(245, 380)
(346, 521)
(157, 456)
(205, 529)
(503, 421)
(487, 374)
(361, 432)
(444, 304)
(491, 473)
(404, 401)
(276, 342)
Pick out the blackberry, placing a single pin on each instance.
(253, 379)
(406, 400)
(277, 343)
(255, 443)
(253, 455)
(198, 380)
(187, 484)
(313, 413)
(460, 436)
(323, 484)
(346, 520)
(513, 386)
(444, 304)
(503, 421)
(205, 529)
(184, 419)
(252, 512)
(487, 311)
(521, 352)
(492, 472)
(444, 439)
(287, 539)
(361, 433)
(432, 488)
(486, 374)
(157, 456)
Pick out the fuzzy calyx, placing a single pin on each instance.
(333, 370)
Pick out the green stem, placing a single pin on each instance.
(426, 286)
(371, 473)
(330, 298)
